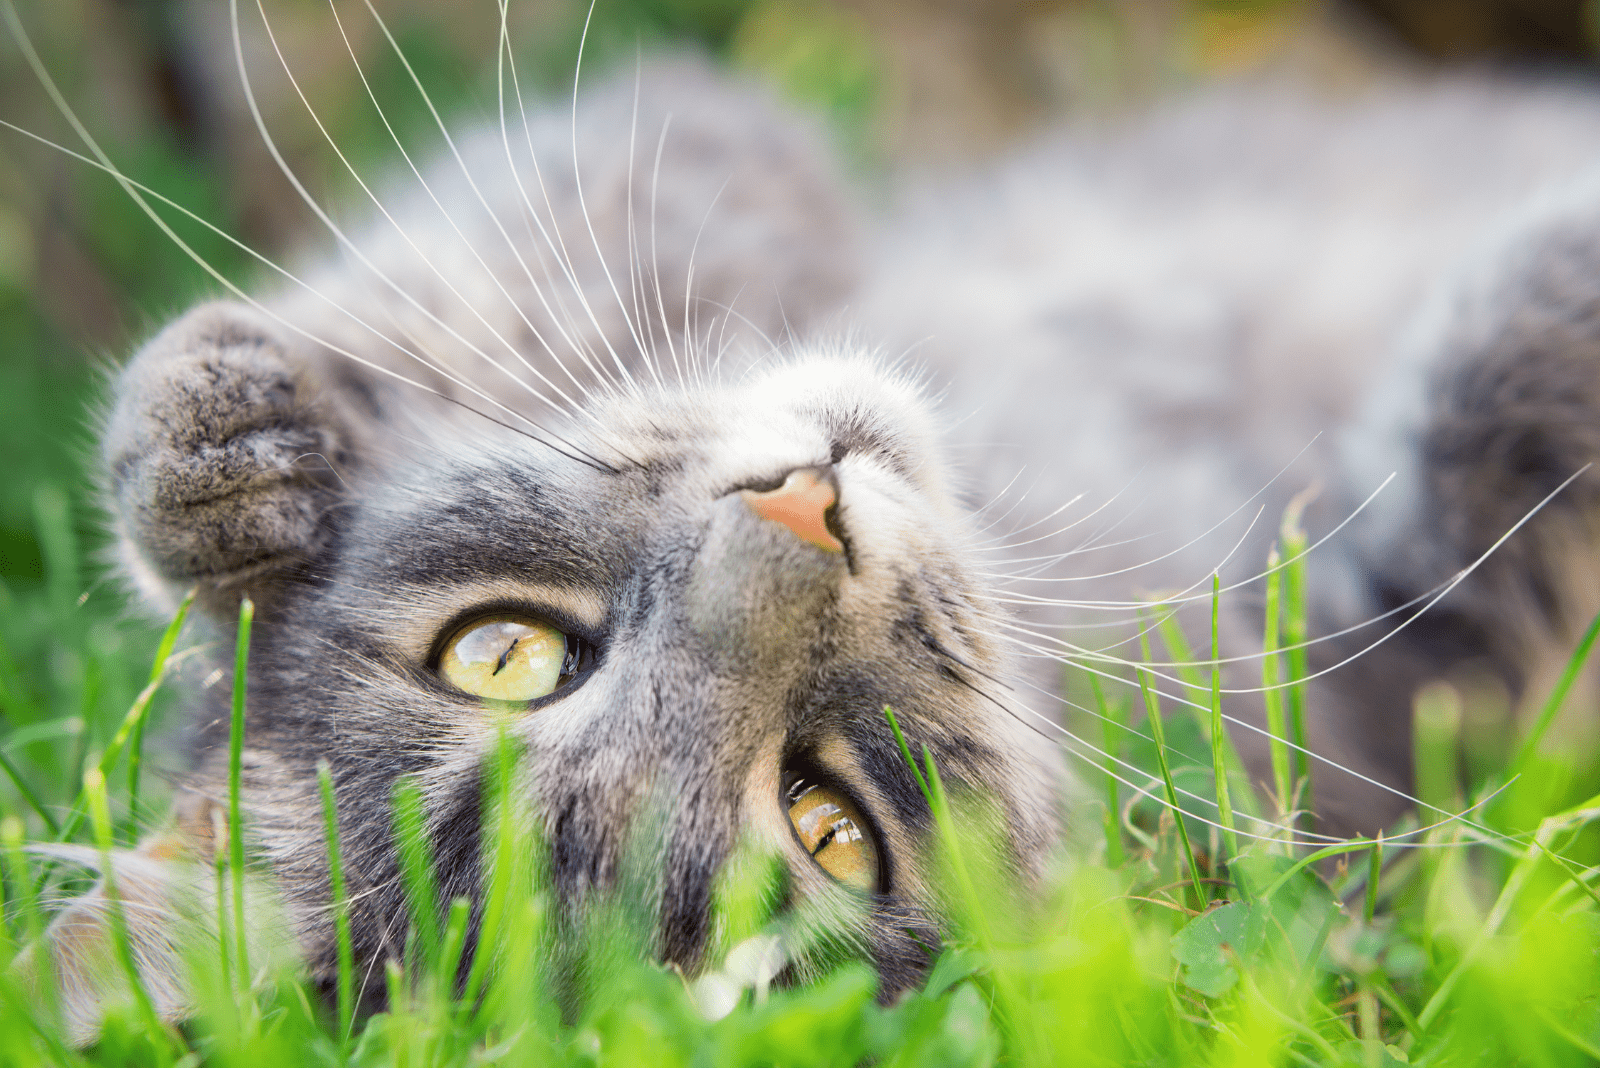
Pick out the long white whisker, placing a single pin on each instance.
(569, 335)
(655, 263)
(1183, 597)
(553, 236)
(428, 260)
(317, 209)
(1208, 532)
(636, 281)
(505, 64)
(1290, 743)
(136, 191)
(583, 207)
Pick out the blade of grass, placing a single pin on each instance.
(1272, 691)
(241, 664)
(501, 865)
(1219, 734)
(1374, 870)
(1182, 654)
(341, 903)
(1158, 733)
(451, 946)
(933, 793)
(1112, 722)
(28, 795)
(157, 670)
(416, 867)
(1573, 874)
(1558, 697)
(1387, 994)
(24, 904)
(1023, 1027)
(1520, 875)
(905, 751)
(219, 868)
(24, 898)
(1295, 632)
(94, 784)
(1355, 845)
(134, 719)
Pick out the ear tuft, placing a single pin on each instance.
(221, 467)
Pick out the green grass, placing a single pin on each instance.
(1153, 940)
(1474, 942)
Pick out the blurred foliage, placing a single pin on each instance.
(84, 275)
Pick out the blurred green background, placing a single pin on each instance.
(84, 275)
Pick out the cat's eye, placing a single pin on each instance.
(509, 658)
(833, 831)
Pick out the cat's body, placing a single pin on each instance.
(1157, 318)
(1201, 313)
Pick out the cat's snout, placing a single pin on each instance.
(767, 564)
(806, 503)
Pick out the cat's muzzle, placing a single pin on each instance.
(768, 565)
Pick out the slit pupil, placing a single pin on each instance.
(500, 665)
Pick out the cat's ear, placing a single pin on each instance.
(222, 464)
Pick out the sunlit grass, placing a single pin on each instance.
(1473, 943)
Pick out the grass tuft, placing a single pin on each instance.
(1123, 954)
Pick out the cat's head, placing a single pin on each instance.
(688, 604)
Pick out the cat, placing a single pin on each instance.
(628, 429)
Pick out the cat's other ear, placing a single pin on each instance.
(222, 466)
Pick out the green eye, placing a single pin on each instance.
(508, 658)
(833, 831)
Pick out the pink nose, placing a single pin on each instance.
(801, 504)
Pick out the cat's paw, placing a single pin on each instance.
(221, 468)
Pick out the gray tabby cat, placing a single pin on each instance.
(630, 421)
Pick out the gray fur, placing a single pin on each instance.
(1158, 318)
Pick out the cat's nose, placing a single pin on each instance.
(803, 504)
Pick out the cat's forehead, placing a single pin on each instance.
(813, 410)
(575, 504)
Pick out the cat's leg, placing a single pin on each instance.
(222, 462)
(227, 454)
(1489, 419)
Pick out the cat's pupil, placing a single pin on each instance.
(500, 665)
(833, 831)
(512, 659)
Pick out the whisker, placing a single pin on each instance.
(655, 264)
(421, 181)
(1289, 742)
(583, 207)
(565, 324)
(136, 191)
(635, 264)
(553, 236)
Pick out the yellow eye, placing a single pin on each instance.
(833, 831)
(508, 658)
